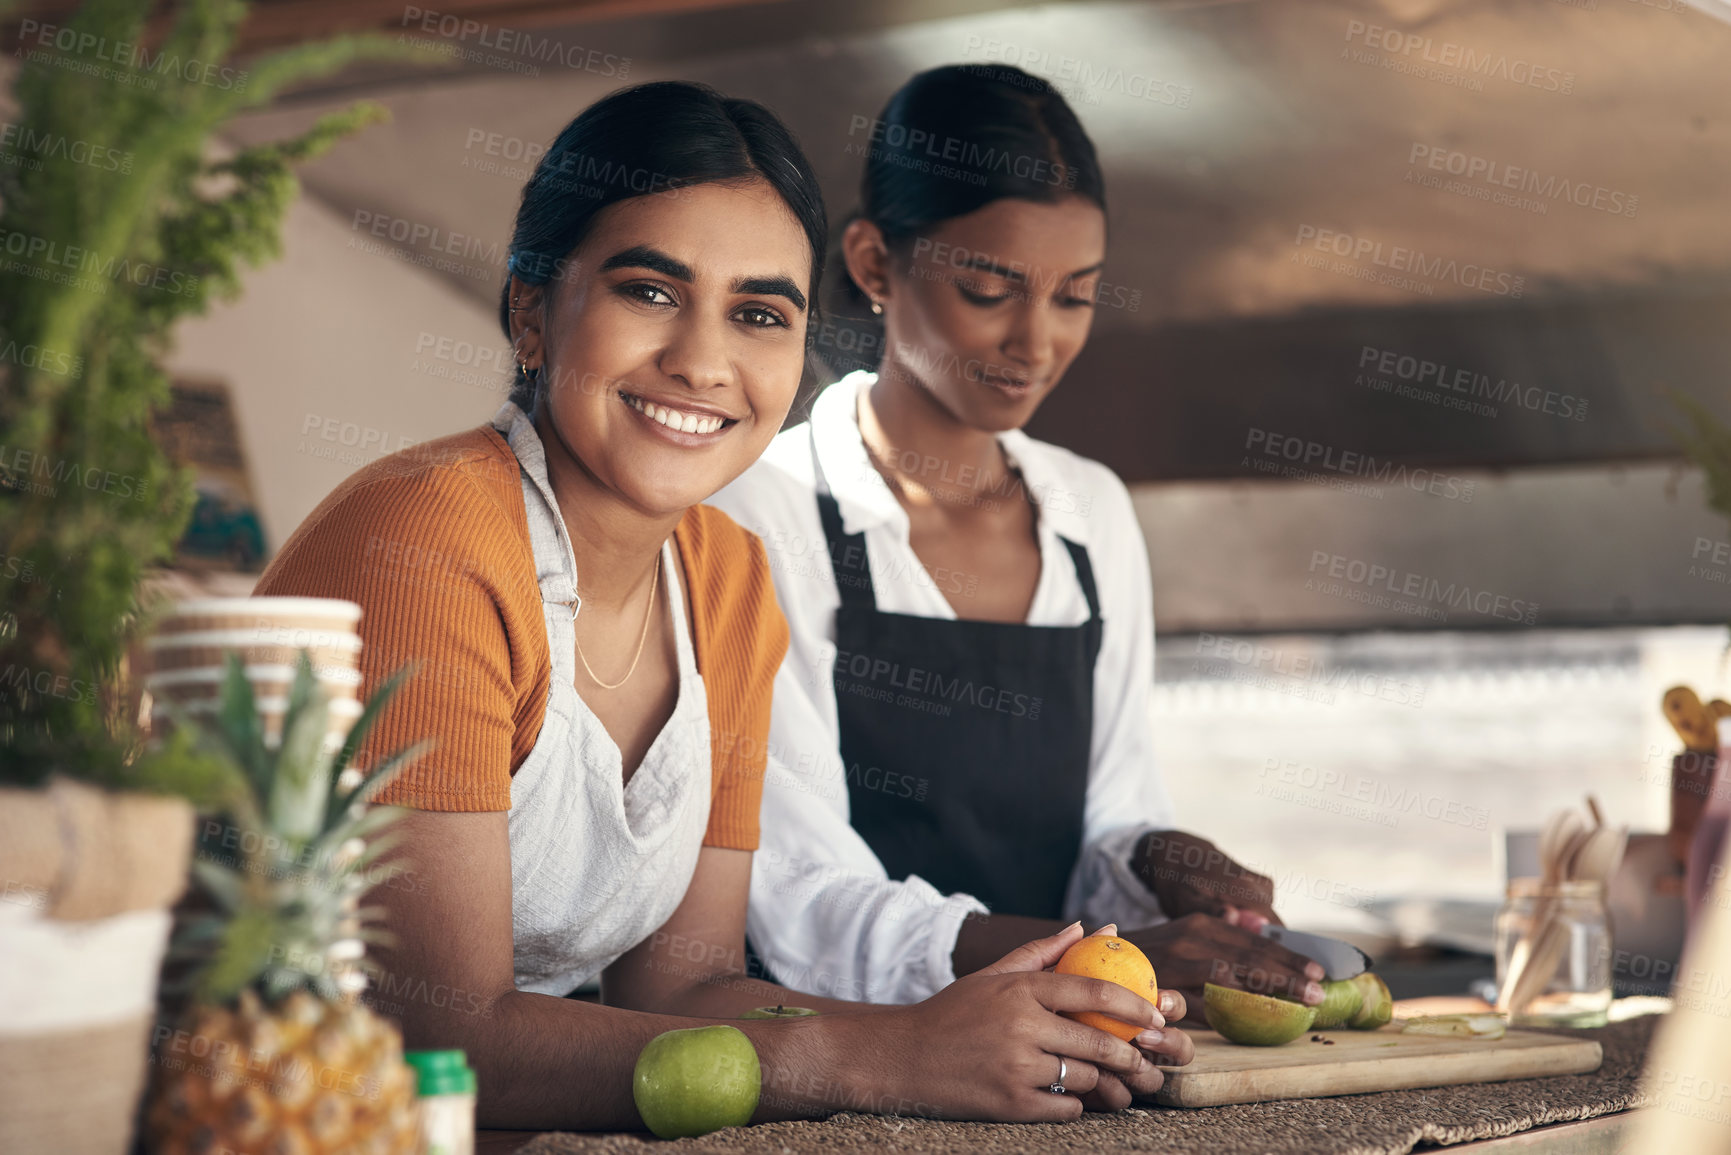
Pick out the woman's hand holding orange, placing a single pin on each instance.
(1103, 955)
(988, 1046)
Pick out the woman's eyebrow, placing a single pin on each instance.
(772, 287)
(987, 264)
(650, 257)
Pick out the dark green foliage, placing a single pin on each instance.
(113, 257)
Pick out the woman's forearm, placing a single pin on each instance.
(548, 1063)
(727, 996)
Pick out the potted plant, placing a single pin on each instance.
(115, 222)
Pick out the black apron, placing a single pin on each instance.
(965, 744)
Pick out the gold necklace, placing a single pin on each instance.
(643, 637)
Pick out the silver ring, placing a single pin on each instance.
(1063, 1069)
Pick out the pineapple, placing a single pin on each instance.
(276, 1054)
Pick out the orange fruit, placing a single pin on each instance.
(1105, 956)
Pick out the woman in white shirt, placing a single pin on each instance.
(961, 753)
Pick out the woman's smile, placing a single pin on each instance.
(684, 424)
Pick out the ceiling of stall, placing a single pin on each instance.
(1313, 205)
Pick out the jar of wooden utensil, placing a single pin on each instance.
(1554, 953)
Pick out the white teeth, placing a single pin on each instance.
(674, 418)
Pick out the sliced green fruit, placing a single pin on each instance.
(778, 1012)
(1378, 1006)
(1254, 1020)
(1484, 1026)
(1341, 999)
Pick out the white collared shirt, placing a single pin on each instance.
(824, 914)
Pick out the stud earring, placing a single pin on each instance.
(877, 308)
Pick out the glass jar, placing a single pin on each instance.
(1559, 938)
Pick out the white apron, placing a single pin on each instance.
(596, 865)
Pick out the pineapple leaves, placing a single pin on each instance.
(301, 776)
(239, 725)
(309, 841)
(370, 714)
(243, 953)
(222, 883)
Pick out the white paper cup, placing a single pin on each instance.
(201, 682)
(264, 615)
(341, 652)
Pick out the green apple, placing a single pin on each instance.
(1341, 999)
(1378, 1007)
(697, 1080)
(778, 1012)
(1254, 1020)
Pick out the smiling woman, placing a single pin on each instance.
(595, 652)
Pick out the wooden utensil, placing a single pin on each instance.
(1692, 721)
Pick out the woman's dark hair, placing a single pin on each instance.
(954, 139)
(646, 139)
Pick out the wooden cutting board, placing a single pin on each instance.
(1360, 1061)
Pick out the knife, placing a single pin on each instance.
(1340, 960)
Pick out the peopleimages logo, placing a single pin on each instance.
(65, 264)
(1400, 259)
(1499, 176)
(511, 42)
(1420, 371)
(25, 146)
(95, 51)
(927, 689)
(1309, 455)
(1470, 61)
(917, 148)
(1381, 579)
(1084, 76)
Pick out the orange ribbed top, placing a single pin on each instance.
(433, 542)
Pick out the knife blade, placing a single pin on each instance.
(1340, 960)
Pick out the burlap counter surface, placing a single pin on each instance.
(1384, 1123)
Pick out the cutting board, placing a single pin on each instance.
(1360, 1061)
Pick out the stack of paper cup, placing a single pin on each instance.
(190, 648)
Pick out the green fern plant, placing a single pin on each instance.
(100, 264)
